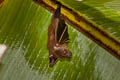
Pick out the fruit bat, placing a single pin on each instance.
(58, 38)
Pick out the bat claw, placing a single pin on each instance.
(57, 44)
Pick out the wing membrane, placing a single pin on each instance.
(62, 32)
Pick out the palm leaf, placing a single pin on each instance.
(23, 28)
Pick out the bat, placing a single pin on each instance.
(58, 38)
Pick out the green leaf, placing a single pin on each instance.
(104, 13)
(23, 28)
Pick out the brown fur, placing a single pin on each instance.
(57, 41)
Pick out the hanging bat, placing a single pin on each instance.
(58, 38)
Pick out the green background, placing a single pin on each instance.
(23, 28)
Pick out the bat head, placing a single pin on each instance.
(59, 51)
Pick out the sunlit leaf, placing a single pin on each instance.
(23, 28)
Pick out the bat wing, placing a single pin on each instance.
(62, 32)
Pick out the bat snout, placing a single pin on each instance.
(68, 54)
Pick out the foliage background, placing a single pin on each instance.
(23, 28)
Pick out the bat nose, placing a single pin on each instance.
(69, 54)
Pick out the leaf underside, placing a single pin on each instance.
(23, 28)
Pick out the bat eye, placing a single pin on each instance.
(65, 51)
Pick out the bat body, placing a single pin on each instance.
(58, 38)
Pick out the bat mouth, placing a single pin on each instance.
(53, 60)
